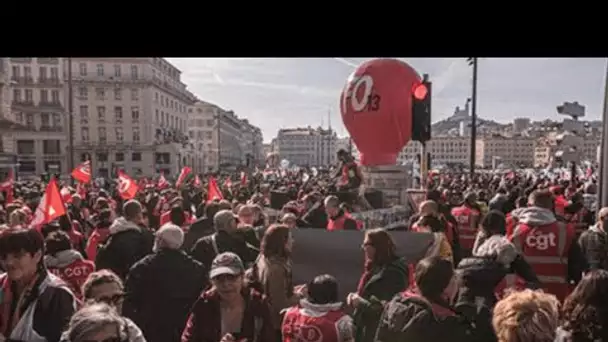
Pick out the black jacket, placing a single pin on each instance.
(54, 307)
(198, 229)
(204, 251)
(127, 244)
(161, 289)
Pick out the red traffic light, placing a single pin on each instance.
(420, 91)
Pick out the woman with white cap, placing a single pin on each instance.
(229, 311)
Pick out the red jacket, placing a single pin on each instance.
(72, 268)
(204, 323)
(300, 325)
(467, 219)
(338, 222)
(545, 244)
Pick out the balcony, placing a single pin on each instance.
(50, 105)
(48, 60)
(23, 80)
(21, 59)
(24, 104)
(50, 82)
(47, 128)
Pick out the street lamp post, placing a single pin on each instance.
(70, 118)
(473, 62)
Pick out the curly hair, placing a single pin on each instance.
(526, 316)
(585, 311)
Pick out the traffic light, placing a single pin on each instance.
(421, 111)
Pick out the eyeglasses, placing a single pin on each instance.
(226, 278)
(112, 300)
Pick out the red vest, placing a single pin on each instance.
(97, 237)
(546, 249)
(298, 327)
(338, 224)
(75, 274)
(467, 225)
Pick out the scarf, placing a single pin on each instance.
(8, 322)
(367, 274)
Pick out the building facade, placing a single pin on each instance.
(307, 146)
(226, 141)
(35, 87)
(130, 114)
(444, 150)
(514, 151)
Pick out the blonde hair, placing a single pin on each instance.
(526, 316)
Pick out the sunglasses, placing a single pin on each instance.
(226, 278)
(112, 300)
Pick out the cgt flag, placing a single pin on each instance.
(82, 173)
(127, 188)
(51, 206)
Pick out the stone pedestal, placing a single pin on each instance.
(392, 180)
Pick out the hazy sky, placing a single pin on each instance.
(277, 93)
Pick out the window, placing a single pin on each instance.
(134, 94)
(55, 96)
(208, 135)
(117, 94)
(135, 114)
(157, 116)
(19, 117)
(119, 157)
(134, 71)
(136, 134)
(27, 72)
(44, 96)
(136, 156)
(210, 123)
(102, 157)
(84, 114)
(29, 95)
(99, 69)
(85, 133)
(102, 134)
(26, 147)
(16, 71)
(100, 93)
(51, 147)
(119, 134)
(155, 97)
(83, 92)
(42, 74)
(83, 69)
(17, 95)
(29, 119)
(117, 70)
(56, 120)
(54, 74)
(101, 114)
(45, 120)
(118, 114)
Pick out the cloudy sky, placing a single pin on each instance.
(277, 93)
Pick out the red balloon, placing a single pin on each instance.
(376, 106)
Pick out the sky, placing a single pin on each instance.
(275, 93)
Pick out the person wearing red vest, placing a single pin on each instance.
(468, 218)
(548, 245)
(67, 263)
(100, 233)
(338, 219)
(320, 315)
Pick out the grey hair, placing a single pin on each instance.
(92, 318)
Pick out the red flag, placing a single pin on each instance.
(127, 188)
(182, 176)
(197, 181)
(7, 186)
(243, 178)
(51, 206)
(66, 195)
(82, 173)
(213, 191)
(162, 182)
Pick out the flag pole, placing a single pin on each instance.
(603, 172)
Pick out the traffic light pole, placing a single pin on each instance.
(423, 166)
(473, 118)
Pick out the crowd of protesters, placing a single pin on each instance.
(513, 257)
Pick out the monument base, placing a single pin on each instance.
(392, 180)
